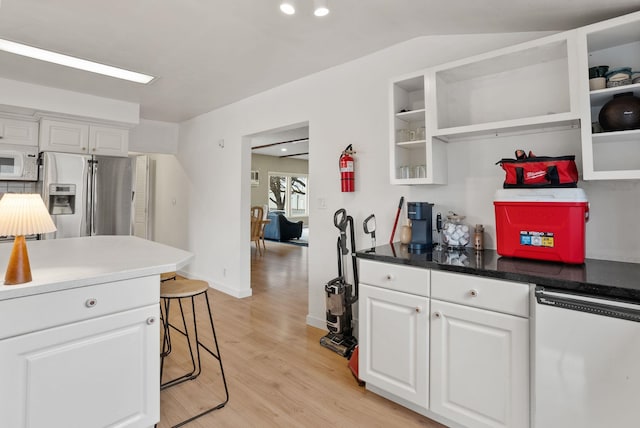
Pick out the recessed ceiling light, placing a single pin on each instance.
(73, 62)
(321, 8)
(288, 7)
(283, 149)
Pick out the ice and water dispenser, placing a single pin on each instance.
(62, 199)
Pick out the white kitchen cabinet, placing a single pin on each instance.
(519, 89)
(394, 339)
(479, 357)
(83, 357)
(84, 138)
(616, 42)
(414, 158)
(522, 88)
(18, 132)
(394, 332)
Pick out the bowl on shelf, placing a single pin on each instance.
(619, 77)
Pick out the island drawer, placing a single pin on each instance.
(395, 277)
(486, 293)
(32, 313)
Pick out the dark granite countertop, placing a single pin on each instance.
(599, 278)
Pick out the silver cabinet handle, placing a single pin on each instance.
(90, 303)
(437, 314)
(151, 320)
(473, 293)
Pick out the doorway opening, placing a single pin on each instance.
(279, 185)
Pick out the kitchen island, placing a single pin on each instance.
(79, 344)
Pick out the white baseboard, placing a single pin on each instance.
(320, 323)
(234, 292)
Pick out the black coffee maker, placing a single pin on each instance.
(420, 214)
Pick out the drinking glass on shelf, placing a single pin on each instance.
(421, 133)
(403, 135)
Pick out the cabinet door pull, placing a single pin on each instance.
(151, 320)
(473, 293)
(90, 303)
(389, 277)
(418, 309)
(437, 314)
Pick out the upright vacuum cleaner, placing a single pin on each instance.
(340, 294)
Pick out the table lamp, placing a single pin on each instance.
(22, 214)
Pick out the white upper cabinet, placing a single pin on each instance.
(414, 158)
(522, 88)
(19, 132)
(105, 140)
(615, 43)
(531, 87)
(519, 88)
(84, 138)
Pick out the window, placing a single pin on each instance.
(288, 193)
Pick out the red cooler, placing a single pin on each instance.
(543, 224)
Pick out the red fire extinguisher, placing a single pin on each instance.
(347, 174)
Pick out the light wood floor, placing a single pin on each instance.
(278, 374)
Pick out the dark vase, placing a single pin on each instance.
(621, 113)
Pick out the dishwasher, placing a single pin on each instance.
(587, 361)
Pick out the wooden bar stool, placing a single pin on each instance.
(167, 276)
(180, 289)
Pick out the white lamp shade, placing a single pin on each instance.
(24, 214)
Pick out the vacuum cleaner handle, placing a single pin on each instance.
(354, 261)
(340, 221)
(369, 225)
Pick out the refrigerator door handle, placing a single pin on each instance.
(94, 201)
(89, 193)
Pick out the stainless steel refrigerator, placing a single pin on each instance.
(86, 195)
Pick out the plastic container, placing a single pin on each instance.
(542, 224)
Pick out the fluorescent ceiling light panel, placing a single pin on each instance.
(69, 61)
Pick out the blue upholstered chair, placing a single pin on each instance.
(280, 228)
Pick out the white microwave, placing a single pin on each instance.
(18, 163)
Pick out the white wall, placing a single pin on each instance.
(169, 201)
(151, 136)
(60, 101)
(345, 105)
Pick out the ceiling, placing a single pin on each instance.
(290, 143)
(210, 53)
